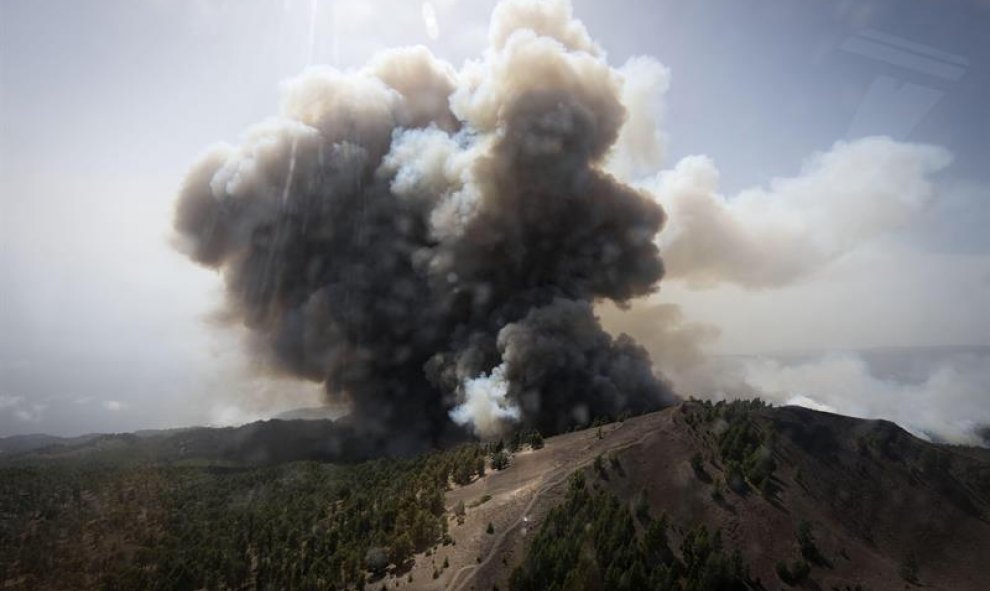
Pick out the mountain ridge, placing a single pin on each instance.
(788, 496)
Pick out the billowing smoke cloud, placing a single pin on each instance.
(641, 146)
(676, 345)
(765, 238)
(771, 237)
(428, 242)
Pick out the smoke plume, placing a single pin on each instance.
(428, 242)
(771, 237)
(947, 403)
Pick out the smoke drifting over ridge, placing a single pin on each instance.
(766, 238)
(428, 243)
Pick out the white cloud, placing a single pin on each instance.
(30, 414)
(430, 21)
(113, 405)
(7, 401)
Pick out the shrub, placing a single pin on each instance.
(697, 464)
(909, 570)
(806, 542)
(376, 560)
(795, 573)
(500, 460)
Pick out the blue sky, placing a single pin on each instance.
(105, 104)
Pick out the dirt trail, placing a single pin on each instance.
(614, 441)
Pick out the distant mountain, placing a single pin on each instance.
(17, 444)
(260, 443)
(158, 442)
(912, 364)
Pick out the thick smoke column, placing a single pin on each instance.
(428, 243)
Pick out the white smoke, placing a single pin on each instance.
(430, 21)
(641, 146)
(771, 237)
(774, 236)
(486, 407)
(950, 403)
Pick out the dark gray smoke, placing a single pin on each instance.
(428, 243)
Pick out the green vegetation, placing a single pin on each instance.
(806, 542)
(794, 573)
(698, 464)
(643, 508)
(298, 525)
(599, 465)
(744, 447)
(591, 542)
(909, 569)
(798, 570)
(521, 437)
(500, 460)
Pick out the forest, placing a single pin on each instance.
(594, 541)
(91, 524)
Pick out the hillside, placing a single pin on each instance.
(698, 496)
(877, 502)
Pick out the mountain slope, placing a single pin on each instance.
(878, 503)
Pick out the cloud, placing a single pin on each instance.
(7, 401)
(113, 405)
(430, 21)
(30, 414)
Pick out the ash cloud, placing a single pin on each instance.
(428, 242)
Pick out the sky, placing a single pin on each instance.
(104, 106)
